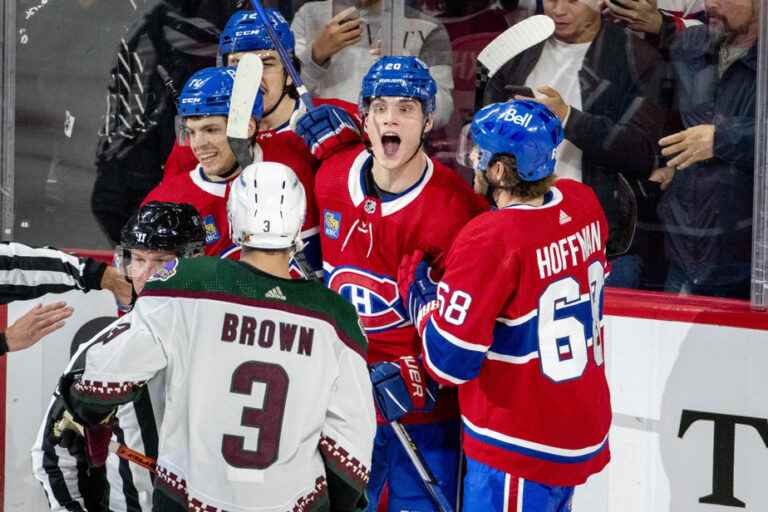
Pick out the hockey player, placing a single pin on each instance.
(268, 399)
(156, 234)
(379, 204)
(203, 108)
(516, 321)
(245, 33)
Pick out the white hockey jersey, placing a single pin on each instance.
(268, 400)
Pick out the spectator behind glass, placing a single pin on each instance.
(336, 51)
(707, 208)
(602, 83)
(660, 20)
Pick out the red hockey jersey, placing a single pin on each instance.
(210, 199)
(520, 329)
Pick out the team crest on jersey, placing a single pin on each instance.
(166, 272)
(375, 297)
(331, 224)
(211, 231)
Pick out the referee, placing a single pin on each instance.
(27, 273)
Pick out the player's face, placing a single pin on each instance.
(208, 139)
(395, 127)
(272, 78)
(145, 263)
(576, 21)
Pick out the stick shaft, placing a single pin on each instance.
(306, 99)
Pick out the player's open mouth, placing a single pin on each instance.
(390, 143)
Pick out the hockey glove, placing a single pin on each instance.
(402, 387)
(97, 437)
(417, 289)
(327, 128)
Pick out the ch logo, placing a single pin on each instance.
(375, 297)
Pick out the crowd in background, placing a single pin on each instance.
(657, 101)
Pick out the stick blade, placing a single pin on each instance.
(513, 41)
(244, 91)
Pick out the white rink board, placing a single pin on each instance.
(32, 376)
(656, 370)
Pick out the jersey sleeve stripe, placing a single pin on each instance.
(532, 449)
(450, 360)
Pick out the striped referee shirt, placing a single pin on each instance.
(28, 272)
(63, 472)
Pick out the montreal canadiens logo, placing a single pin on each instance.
(374, 296)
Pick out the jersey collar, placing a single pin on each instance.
(551, 198)
(219, 188)
(390, 206)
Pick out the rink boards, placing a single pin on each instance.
(689, 391)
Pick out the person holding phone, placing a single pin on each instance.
(600, 81)
(337, 42)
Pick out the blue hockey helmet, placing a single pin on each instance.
(208, 92)
(523, 128)
(396, 76)
(244, 32)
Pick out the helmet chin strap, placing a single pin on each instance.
(280, 100)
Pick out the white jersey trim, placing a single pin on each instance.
(557, 198)
(357, 194)
(544, 448)
(215, 188)
(475, 347)
(438, 371)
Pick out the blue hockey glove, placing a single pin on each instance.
(417, 289)
(327, 128)
(402, 387)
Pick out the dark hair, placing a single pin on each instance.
(511, 181)
(292, 92)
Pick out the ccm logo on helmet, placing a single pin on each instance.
(375, 297)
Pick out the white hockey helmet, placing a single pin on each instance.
(266, 207)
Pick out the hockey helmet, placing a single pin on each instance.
(161, 226)
(245, 32)
(398, 76)
(266, 207)
(208, 93)
(523, 128)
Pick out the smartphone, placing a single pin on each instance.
(519, 90)
(338, 6)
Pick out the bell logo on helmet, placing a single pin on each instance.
(511, 115)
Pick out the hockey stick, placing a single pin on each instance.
(306, 99)
(429, 480)
(244, 92)
(68, 423)
(507, 45)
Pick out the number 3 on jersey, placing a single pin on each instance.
(268, 419)
(559, 334)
